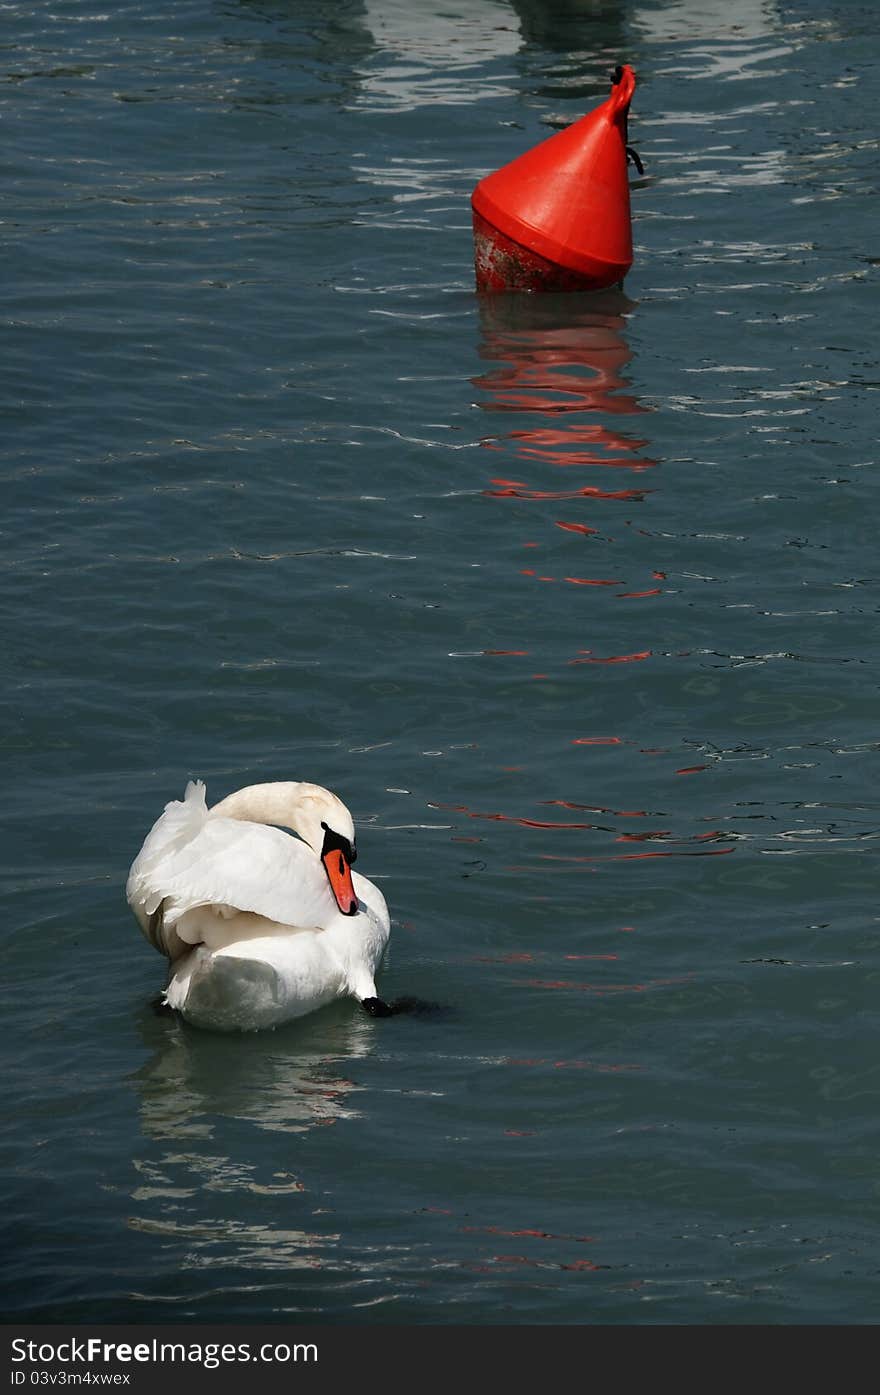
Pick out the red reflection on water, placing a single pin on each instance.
(587, 492)
(593, 1065)
(483, 1230)
(601, 1066)
(559, 355)
(643, 837)
(583, 457)
(583, 581)
(574, 581)
(559, 361)
(590, 581)
(602, 988)
(552, 825)
(665, 834)
(543, 440)
(503, 959)
(591, 956)
(691, 769)
(599, 809)
(627, 857)
(587, 741)
(526, 823)
(613, 658)
(525, 1231)
(554, 369)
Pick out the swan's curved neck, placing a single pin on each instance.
(316, 815)
(274, 803)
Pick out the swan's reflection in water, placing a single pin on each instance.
(223, 1120)
(286, 1081)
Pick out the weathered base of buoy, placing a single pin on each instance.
(501, 264)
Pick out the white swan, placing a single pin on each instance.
(259, 927)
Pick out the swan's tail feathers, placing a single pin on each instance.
(193, 794)
(178, 825)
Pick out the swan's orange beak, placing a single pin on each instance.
(339, 875)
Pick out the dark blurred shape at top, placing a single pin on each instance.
(563, 25)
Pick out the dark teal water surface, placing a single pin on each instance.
(573, 601)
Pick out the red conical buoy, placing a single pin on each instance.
(557, 218)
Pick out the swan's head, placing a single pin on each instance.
(323, 821)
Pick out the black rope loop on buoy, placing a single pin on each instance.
(632, 155)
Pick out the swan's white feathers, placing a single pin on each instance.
(189, 860)
(249, 867)
(175, 827)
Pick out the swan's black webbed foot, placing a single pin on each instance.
(161, 1008)
(375, 1007)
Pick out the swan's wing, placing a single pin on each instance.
(174, 829)
(243, 866)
